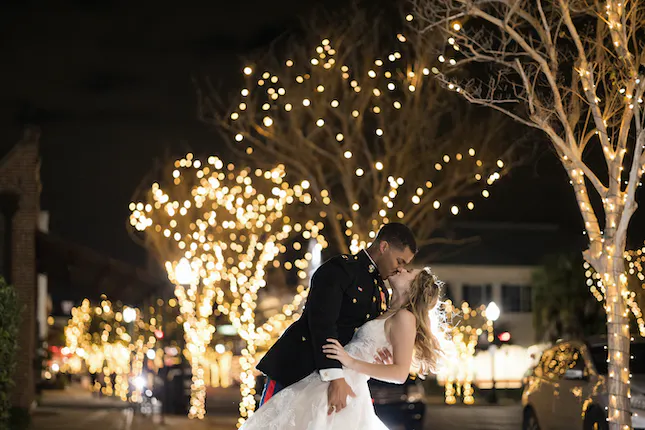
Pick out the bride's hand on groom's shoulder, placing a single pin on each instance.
(335, 351)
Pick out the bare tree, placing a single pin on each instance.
(354, 115)
(572, 69)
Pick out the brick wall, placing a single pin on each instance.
(20, 175)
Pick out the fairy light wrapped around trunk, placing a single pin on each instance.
(636, 287)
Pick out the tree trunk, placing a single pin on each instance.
(247, 383)
(198, 387)
(618, 343)
(611, 266)
(197, 337)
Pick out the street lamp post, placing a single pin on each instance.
(492, 313)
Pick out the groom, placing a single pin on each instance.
(345, 292)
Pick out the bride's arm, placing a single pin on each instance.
(402, 335)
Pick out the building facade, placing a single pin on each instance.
(19, 213)
(497, 265)
(508, 286)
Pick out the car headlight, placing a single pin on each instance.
(638, 402)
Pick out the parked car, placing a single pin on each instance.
(399, 406)
(568, 387)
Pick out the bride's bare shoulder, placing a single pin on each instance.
(403, 321)
(404, 315)
(403, 318)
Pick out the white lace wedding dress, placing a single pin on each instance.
(303, 405)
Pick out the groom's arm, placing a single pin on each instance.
(328, 285)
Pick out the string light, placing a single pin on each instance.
(611, 109)
(117, 350)
(363, 159)
(467, 325)
(634, 261)
(217, 229)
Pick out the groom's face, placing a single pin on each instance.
(393, 259)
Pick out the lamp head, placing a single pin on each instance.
(492, 311)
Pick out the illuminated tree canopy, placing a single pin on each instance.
(110, 340)
(354, 112)
(216, 228)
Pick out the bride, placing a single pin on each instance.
(410, 329)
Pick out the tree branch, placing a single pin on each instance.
(367, 130)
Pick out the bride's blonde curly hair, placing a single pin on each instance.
(431, 338)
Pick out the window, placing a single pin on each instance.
(477, 295)
(447, 292)
(573, 360)
(8, 206)
(543, 368)
(576, 360)
(517, 298)
(560, 362)
(636, 365)
(599, 358)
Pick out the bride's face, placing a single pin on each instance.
(401, 281)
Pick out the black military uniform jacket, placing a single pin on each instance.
(345, 292)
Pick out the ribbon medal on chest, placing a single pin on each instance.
(383, 301)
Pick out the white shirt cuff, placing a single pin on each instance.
(331, 374)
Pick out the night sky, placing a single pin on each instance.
(110, 85)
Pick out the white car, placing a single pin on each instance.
(567, 389)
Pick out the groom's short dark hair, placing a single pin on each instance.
(398, 235)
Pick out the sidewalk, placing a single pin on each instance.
(223, 400)
(77, 409)
(74, 396)
(101, 419)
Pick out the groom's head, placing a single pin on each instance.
(393, 248)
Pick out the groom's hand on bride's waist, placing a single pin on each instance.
(383, 356)
(337, 394)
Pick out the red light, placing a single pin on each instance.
(158, 334)
(504, 336)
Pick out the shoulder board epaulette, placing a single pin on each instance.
(348, 257)
(344, 260)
